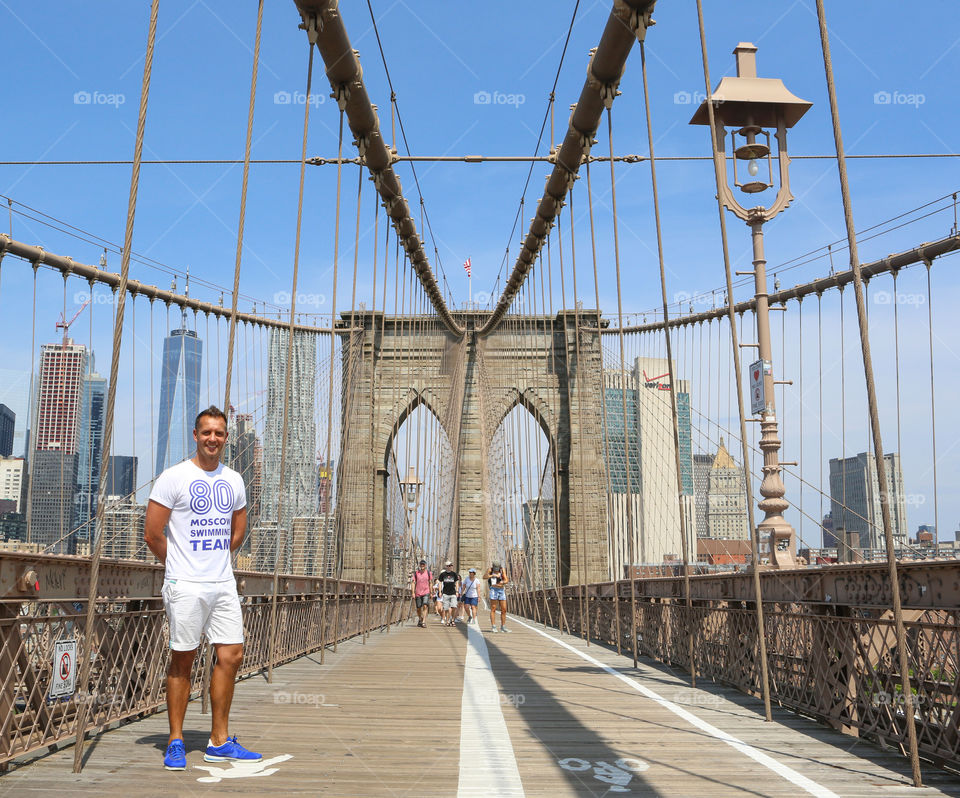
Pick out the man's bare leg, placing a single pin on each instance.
(178, 690)
(222, 681)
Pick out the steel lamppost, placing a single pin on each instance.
(752, 107)
(411, 489)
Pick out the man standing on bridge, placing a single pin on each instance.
(449, 581)
(203, 504)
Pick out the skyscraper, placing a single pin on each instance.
(54, 444)
(702, 463)
(179, 395)
(122, 476)
(89, 450)
(8, 421)
(298, 496)
(240, 454)
(123, 529)
(855, 498)
(12, 481)
(727, 517)
(651, 463)
(540, 532)
(623, 466)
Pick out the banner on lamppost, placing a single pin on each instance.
(758, 395)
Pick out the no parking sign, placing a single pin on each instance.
(64, 676)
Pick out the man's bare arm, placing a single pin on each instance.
(238, 528)
(156, 519)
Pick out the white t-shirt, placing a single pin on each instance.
(470, 587)
(201, 504)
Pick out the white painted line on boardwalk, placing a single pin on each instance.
(758, 756)
(488, 765)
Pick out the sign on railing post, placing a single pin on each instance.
(63, 679)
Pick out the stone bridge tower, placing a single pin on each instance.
(392, 365)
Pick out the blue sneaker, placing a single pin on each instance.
(176, 756)
(230, 751)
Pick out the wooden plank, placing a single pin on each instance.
(384, 719)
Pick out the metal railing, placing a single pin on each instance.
(829, 659)
(130, 645)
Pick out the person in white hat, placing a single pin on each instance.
(469, 596)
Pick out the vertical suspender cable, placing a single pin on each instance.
(908, 711)
(564, 622)
(243, 210)
(580, 375)
(735, 349)
(87, 647)
(33, 409)
(281, 541)
(933, 417)
(631, 525)
(684, 543)
(566, 360)
(603, 419)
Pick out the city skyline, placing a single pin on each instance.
(85, 430)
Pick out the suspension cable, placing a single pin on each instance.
(871, 397)
(87, 659)
(281, 541)
(735, 349)
(243, 208)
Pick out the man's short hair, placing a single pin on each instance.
(214, 412)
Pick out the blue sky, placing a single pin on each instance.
(72, 87)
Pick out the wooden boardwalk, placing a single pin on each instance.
(387, 719)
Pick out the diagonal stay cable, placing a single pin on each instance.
(627, 21)
(346, 79)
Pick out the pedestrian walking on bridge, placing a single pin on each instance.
(496, 577)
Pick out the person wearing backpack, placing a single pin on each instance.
(422, 585)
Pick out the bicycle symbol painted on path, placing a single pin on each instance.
(618, 775)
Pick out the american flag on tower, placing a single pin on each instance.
(466, 267)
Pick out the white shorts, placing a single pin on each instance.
(202, 608)
(449, 602)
